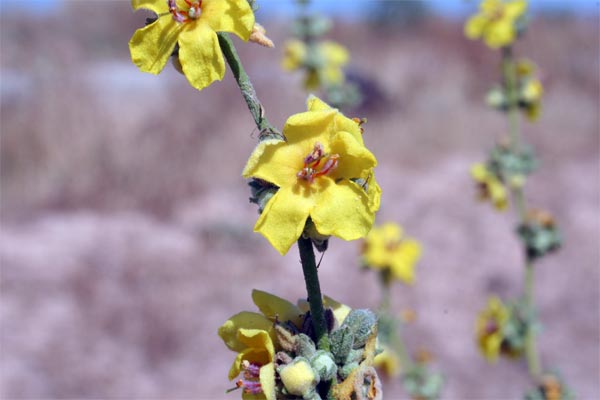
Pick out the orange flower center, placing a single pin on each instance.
(317, 163)
(193, 12)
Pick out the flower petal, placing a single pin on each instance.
(158, 6)
(275, 307)
(233, 16)
(499, 34)
(200, 55)
(152, 45)
(342, 210)
(475, 26)
(250, 320)
(267, 381)
(310, 125)
(283, 219)
(354, 159)
(515, 9)
(259, 339)
(276, 162)
(404, 259)
(374, 193)
(340, 311)
(333, 53)
(294, 55)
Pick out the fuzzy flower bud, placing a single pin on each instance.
(298, 377)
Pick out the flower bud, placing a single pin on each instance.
(323, 363)
(298, 378)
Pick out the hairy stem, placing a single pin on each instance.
(313, 288)
(533, 360)
(241, 77)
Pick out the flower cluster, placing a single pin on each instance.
(539, 233)
(277, 355)
(387, 249)
(501, 330)
(323, 173)
(323, 62)
(498, 22)
(489, 186)
(529, 91)
(189, 28)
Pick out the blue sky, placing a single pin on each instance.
(351, 8)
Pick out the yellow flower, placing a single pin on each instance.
(386, 247)
(490, 187)
(531, 95)
(252, 336)
(193, 24)
(495, 22)
(315, 169)
(324, 65)
(490, 326)
(388, 362)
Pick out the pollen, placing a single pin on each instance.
(317, 163)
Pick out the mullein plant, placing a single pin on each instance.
(313, 180)
(393, 255)
(510, 328)
(321, 61)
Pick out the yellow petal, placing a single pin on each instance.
(313, 103)
(267, 381)
(490, 7)
(404, 259)
(277, 162)
(229, 330)
(340, 311)
(333, 53)
(475, 26)
(342, 210)
(354, 157)
(254, 355)
(311, 125)
(479, 172)
(283, 219)
(500, 34)
(515, 9)
(200, 55)
(294, 55)
(152, 45)
(158, 6)
(374, 193)
(275, 307)
(258, 339)
(233, 16)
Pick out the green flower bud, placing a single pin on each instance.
(323, 363)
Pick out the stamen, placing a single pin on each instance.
(250, 383)
(180, 16)
(311, 169)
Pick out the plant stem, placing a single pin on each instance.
(518, 194)
(396, 341)
(248, 92)
(315, 299)
(533, 361)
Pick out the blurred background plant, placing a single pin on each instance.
(511, 330)
(393, 255)
(119, 248)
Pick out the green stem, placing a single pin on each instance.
(533, 360)
(510, 80)
(248, 92)
(396, 340)
(315, 299)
